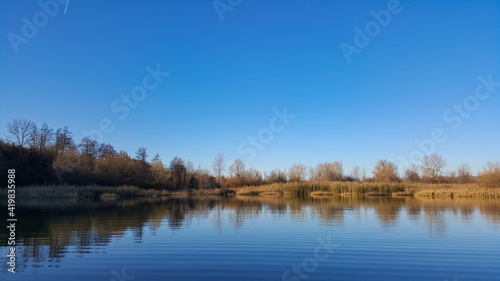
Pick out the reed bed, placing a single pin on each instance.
(305, 189)
(322, 188)
(203, 192)
(296, 189)
(93, 191)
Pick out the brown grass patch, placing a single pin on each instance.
(347, 194)
(402, 194)
(93, 191)
(376, 194)
(322, 193)
(270, 193)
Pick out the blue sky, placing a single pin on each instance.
(225, 77)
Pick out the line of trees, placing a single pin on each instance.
(42, 155)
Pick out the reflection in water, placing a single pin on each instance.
(48, 230)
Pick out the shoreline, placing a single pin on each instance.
(301, 190)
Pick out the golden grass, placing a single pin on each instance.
(356, 189)
(348, 194)
(377, 194)
(322, 193)
(203, 192)
(401, 194)
(271, 193)
(297, 190)
(93, 191)
(460, 191)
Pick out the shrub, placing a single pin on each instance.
(490, 176)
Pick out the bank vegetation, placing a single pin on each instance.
(51, 163)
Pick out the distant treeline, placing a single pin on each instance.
(44, 156)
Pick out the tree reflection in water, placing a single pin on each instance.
(48, 230)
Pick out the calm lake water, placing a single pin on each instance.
(265, 238)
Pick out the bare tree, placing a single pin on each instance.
(451, 176)
(89, 149)
(433, 166)
(156, 159)
(411, 173)
(141, 154)
(158, 172)
(190, 180)
(41, 138)
(88, 146)
(64, 140)
(34, 138)
(178, 170)
(297, 172)
(356, 173)
(276, 176)
(490, 176)
(106, 151)
(46, 136)
(219, 166)
(385, 171)
(328, 171)
(19, 131)
(464, 173)
(252, 177)
(190, 166)
(123, 154)
(237, 169)
(312, 173)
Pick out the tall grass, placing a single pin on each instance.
(295, 189)
(107, 192)
(93, 191)
(306, 189)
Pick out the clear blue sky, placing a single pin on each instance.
(227, 76)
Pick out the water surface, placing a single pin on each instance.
(264, 238)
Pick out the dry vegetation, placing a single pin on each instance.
(94, 191)
(53, 165)
(294, 189)
(372, 189)
(107, 192)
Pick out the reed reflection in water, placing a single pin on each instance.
(257, 238)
